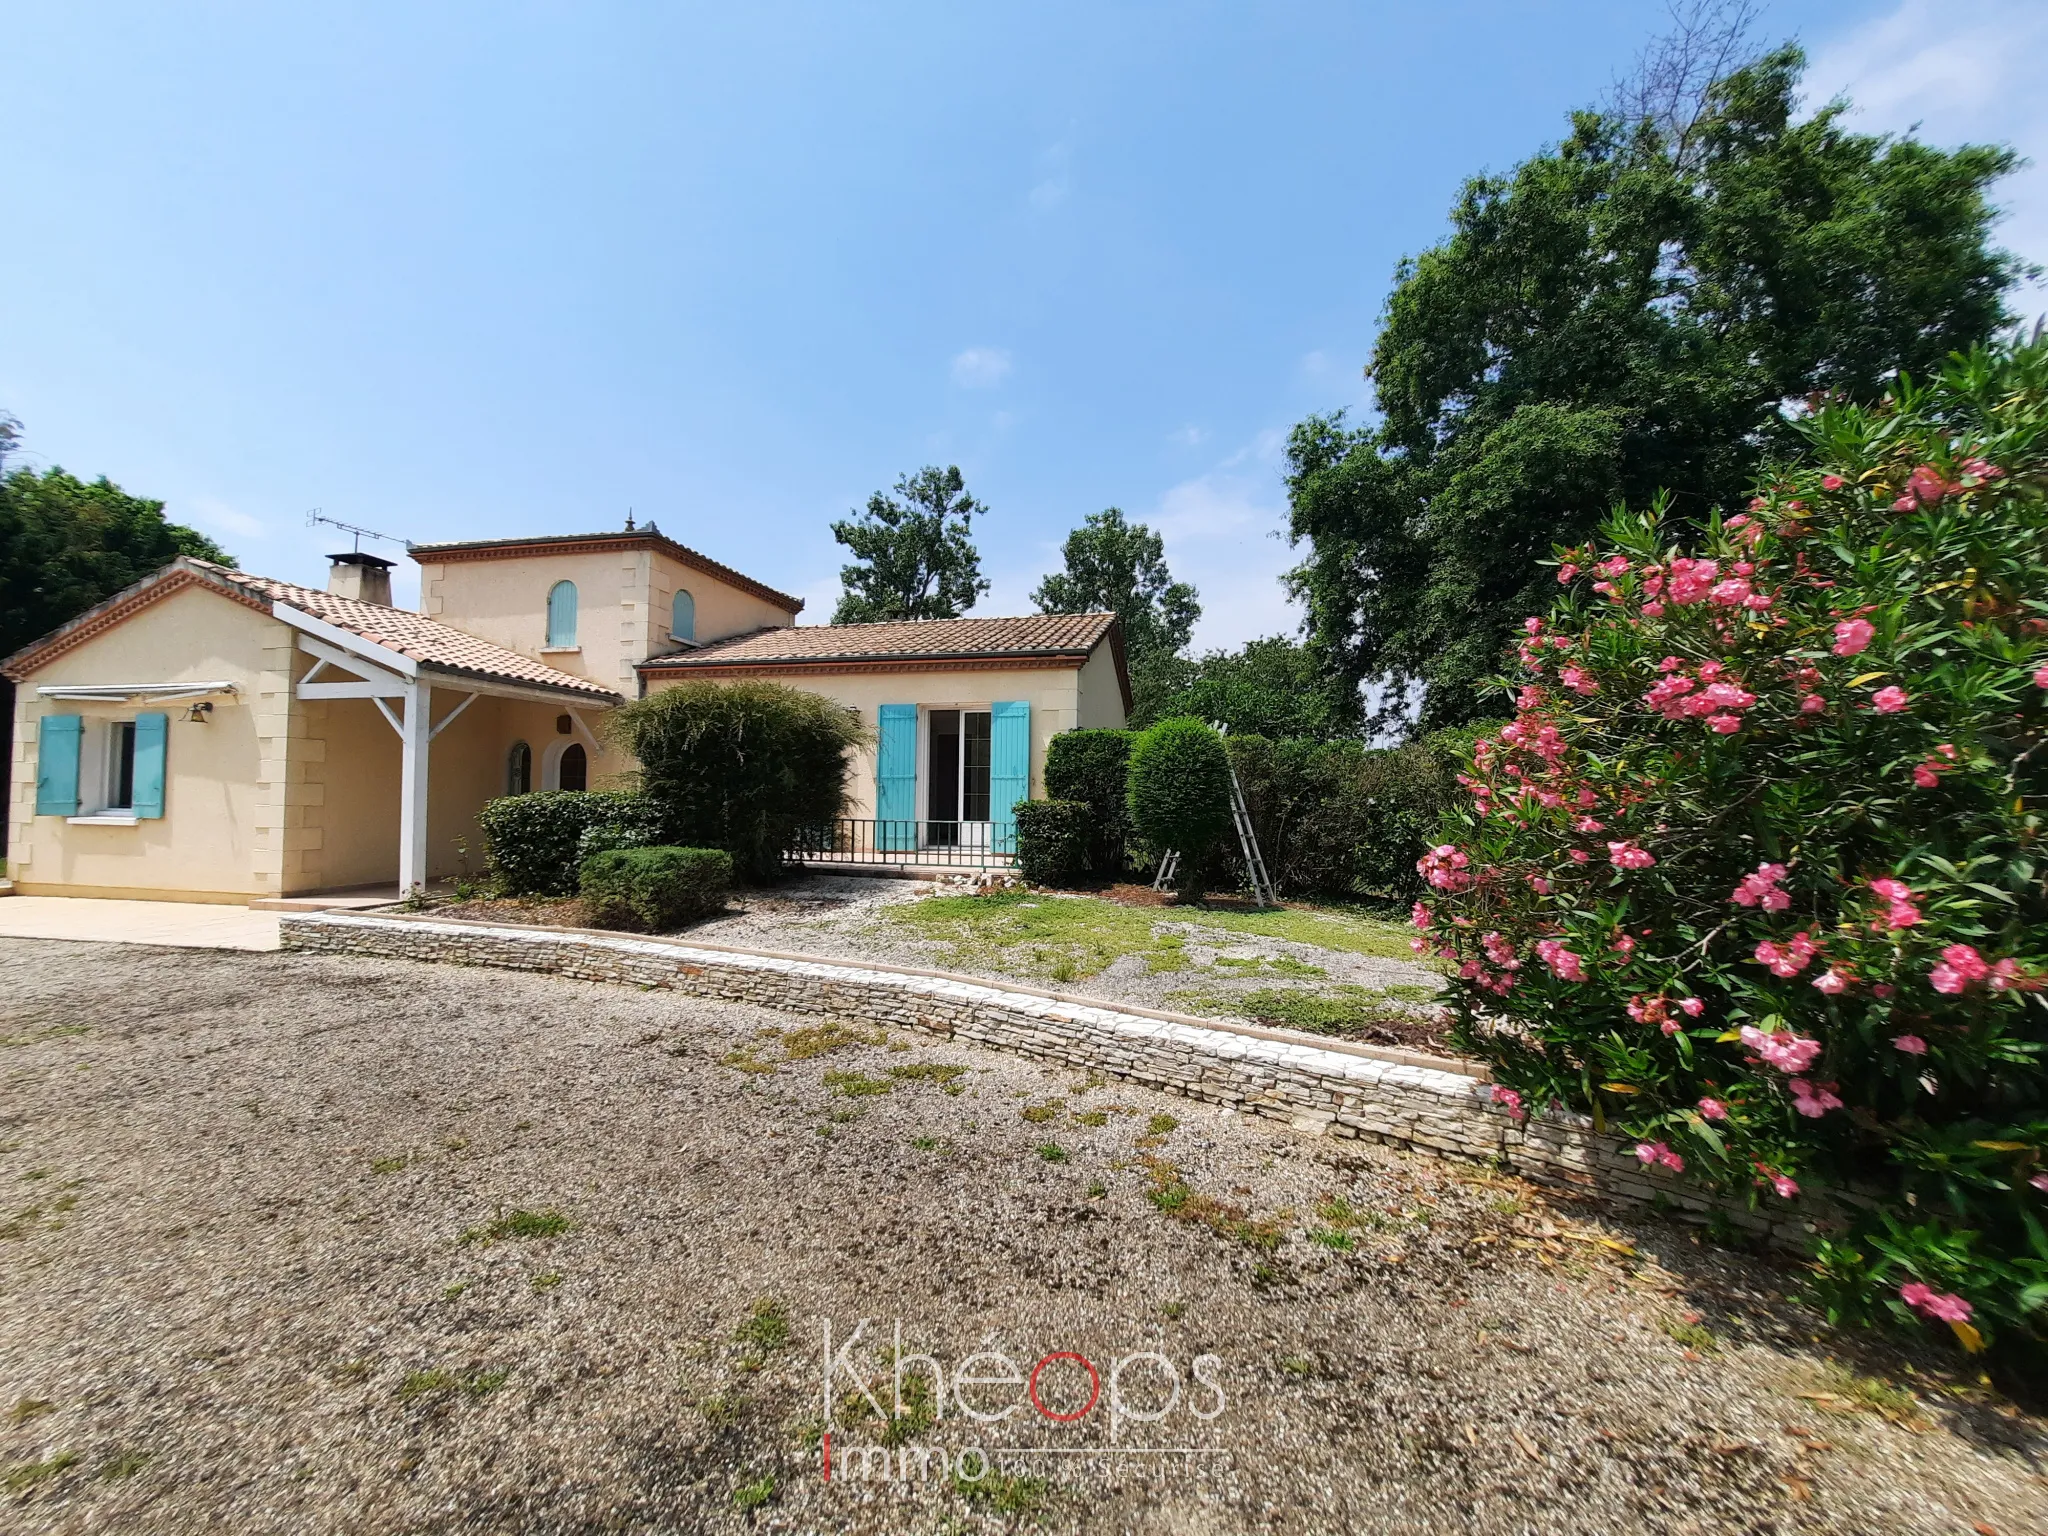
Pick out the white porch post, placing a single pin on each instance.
(412, 787)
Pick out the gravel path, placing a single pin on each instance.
(235, 1293)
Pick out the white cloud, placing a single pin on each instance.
(981, 367)
(1955, 71)
(217, 516)
(1189, 436)
(1054, 183)
(1222, 534)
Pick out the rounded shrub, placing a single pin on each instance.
(1179, 794)
(1754, 876)
(1053, 840)
(536, 841)
(652, 890)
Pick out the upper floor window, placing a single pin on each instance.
(682, 622)
(562, 615)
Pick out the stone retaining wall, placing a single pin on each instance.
(1391, 1097)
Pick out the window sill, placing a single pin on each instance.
(683, 640)
(561, 650)
(103, 819)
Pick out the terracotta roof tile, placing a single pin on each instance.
(426, 641)
(1040, 635)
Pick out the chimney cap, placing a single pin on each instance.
(357, 557)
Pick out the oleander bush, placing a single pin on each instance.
(1178, 790)
(535, 842)
(654, 890)
(1054, 839)
(1754, 877)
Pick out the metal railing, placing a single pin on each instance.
(954, 844)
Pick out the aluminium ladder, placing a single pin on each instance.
(1263, 892)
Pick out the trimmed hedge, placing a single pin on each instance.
(1091, 766)
(652, 890)
(535, 841)
(1053, 840)
(1179, 794)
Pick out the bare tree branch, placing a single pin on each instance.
(1675, 74)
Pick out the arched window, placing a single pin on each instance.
(562, 615)
(519, 769)
(573, 771)
(682, 622)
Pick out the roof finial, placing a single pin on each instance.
(629, 519)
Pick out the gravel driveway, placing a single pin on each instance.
(305, 1243)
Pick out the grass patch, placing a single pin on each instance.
(1353, 933)
(1092, 1117)
(30, 1473)
(1694, 1335)
(1161, 1125)
(1039, 1114)
(767, 1330)
(1269, 965)
(437, 1382)
(1052, 1152)
(1334, 1238)
(1343, 1009)
(1002, 1493)
(722, 1410)
(544, 1283)
(753, 1495)
(1172, 1196)
(856, 1085)
(123, 1464)
(1847, 1392)
(37, 1036)
(818, 1039)
(928, 1143)
(944, 1073)
(390, 1164)
(1061, 938)
(519, 1224)
(30, 1408)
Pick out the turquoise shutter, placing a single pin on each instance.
(682, 619)
(152, 731)
(1009, 770)
(57, 740)
(562, 615)
(896, 778)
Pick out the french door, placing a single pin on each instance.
(958, 758)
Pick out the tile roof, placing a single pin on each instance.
(540, 544)
(432, 644)
(1040, 636)
(426, 641)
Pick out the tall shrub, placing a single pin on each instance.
(1092, 766)
(741, 766)
(1754, 876)
(536, 841)
(1179, 792)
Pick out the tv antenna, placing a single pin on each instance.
(358, 534)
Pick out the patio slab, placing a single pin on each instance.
(182, 924)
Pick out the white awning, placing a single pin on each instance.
(122, 693)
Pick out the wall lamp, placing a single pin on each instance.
(198, 712)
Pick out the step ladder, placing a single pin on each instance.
(1263, 893)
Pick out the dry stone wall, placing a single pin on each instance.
(1349, 1093)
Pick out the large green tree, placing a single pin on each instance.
(1116, 566)
(1646, 306)
(1271, 687)
(914, 552)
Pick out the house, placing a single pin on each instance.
(212, 735)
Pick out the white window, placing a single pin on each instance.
(957, 759)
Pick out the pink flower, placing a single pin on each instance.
(1724, 725)
(1732, 593)
(1925, 776)
(1924, 487)
(1960, 965)
(1445, 868)
(1655, 1154)
(1692, 580)
(1565, 574)
(1539, 885)
(1832, 981)
(1588, 824)
(1580, 856)
(1852, 636)
(1889, 700)
(1944, 1306)
(2006, 976)
(1629, 856)
(1563, 963)
(2041, 676)
(1789, 958)
(1811, 1101)
(1899, 909)
(1789, 1053)
(1812, 704)
(1713, 1109)
(1511, 1101)
(1831, 482)
(1419, 945)
(1784, 1184)
(1578, 681)
(1911, 1045)
(2040, 1182)
(1691, 1007)
(1761, 889)
(1624, 945)
(1499, 951)
(1421, 916)
(1655, 610)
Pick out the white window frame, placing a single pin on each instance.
(551, 761)
(973, 834)
(96, 770)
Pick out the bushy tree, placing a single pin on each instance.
(741, 766)
(1269, 687)
(1179, 791)
(1114, 566)
(1755, 876)
(915, 552)
(1622, 314)
(1092, 767)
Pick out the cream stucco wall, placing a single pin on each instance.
(1102, 696)
(624, 600)
(1052, 693)
(223, 835)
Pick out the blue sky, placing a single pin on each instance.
(460, 272)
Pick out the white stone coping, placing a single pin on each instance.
(1248, 1044)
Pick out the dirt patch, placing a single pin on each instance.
(308, 1242)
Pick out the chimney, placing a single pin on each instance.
(366, 578)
